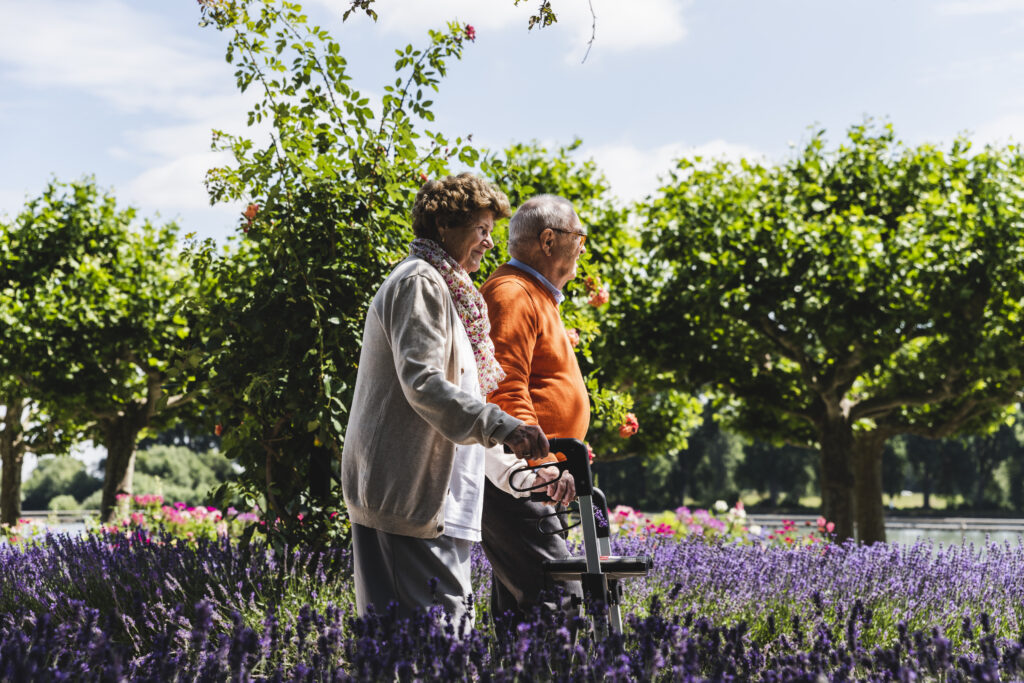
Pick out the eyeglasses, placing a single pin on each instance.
(582, 235)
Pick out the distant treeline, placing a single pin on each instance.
(180, 469)
(977, 472)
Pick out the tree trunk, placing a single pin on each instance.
(870, 510)
(837, 480)
(120, 435)
(684, 478)
(12, 457)
(986, 465)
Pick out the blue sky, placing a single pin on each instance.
(129, 90)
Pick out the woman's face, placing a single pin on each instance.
(469, 243)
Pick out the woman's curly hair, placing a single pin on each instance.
(451, 201)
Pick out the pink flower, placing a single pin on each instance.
(251, 211)
(470, 33)
(830, 527)
(600, 297)
(574, 337)
(590, 452)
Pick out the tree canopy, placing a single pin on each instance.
(91, 319)
(842, 297)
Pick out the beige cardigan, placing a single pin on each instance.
(408, 412)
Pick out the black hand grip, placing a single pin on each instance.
(576, 463)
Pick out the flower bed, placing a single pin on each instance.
(136, 606)
(150, 514)
(720, 523)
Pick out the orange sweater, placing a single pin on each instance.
(543, 384)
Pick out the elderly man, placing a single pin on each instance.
(543, 386)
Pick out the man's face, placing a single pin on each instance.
(569, 246)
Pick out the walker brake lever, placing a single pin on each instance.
(558, 514)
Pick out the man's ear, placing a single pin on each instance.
(546, 238)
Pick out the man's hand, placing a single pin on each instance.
(528, 442)
(561, 489)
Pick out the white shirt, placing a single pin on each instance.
(464, 506)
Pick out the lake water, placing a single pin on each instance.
(950, 537)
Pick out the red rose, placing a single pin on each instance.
(629, 426)
(251, 211)
(599, 298)
(218, 430)
(423, 177)
(470, 33)
(590, 452)
(590, 284)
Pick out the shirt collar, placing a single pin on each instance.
(555, 292)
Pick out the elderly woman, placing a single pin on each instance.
(414, 460)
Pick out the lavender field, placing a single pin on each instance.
(150, 608)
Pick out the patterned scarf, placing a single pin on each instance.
(471, 307)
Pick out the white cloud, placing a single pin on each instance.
(635, 172)
(1000, 131)
(11, 203)
(414, 17)
(111, 49)
(620, 26)
(970, 7)
(124, 54)
(174, 185)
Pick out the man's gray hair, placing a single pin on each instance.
(536, 214)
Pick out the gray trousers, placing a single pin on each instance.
(391, 568)
(516, 550)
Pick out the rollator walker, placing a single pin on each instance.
(598, 570)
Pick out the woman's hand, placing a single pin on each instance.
(562, 489)
(528, 441)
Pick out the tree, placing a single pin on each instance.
(182, 434)
(19, 424)
(937, 465)
(181, 474)
(97, 325)
(54, 476)
(777, 470)
(895, 468)
(329, 196)
(28, 425)
(842, 297)
(986, 453)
